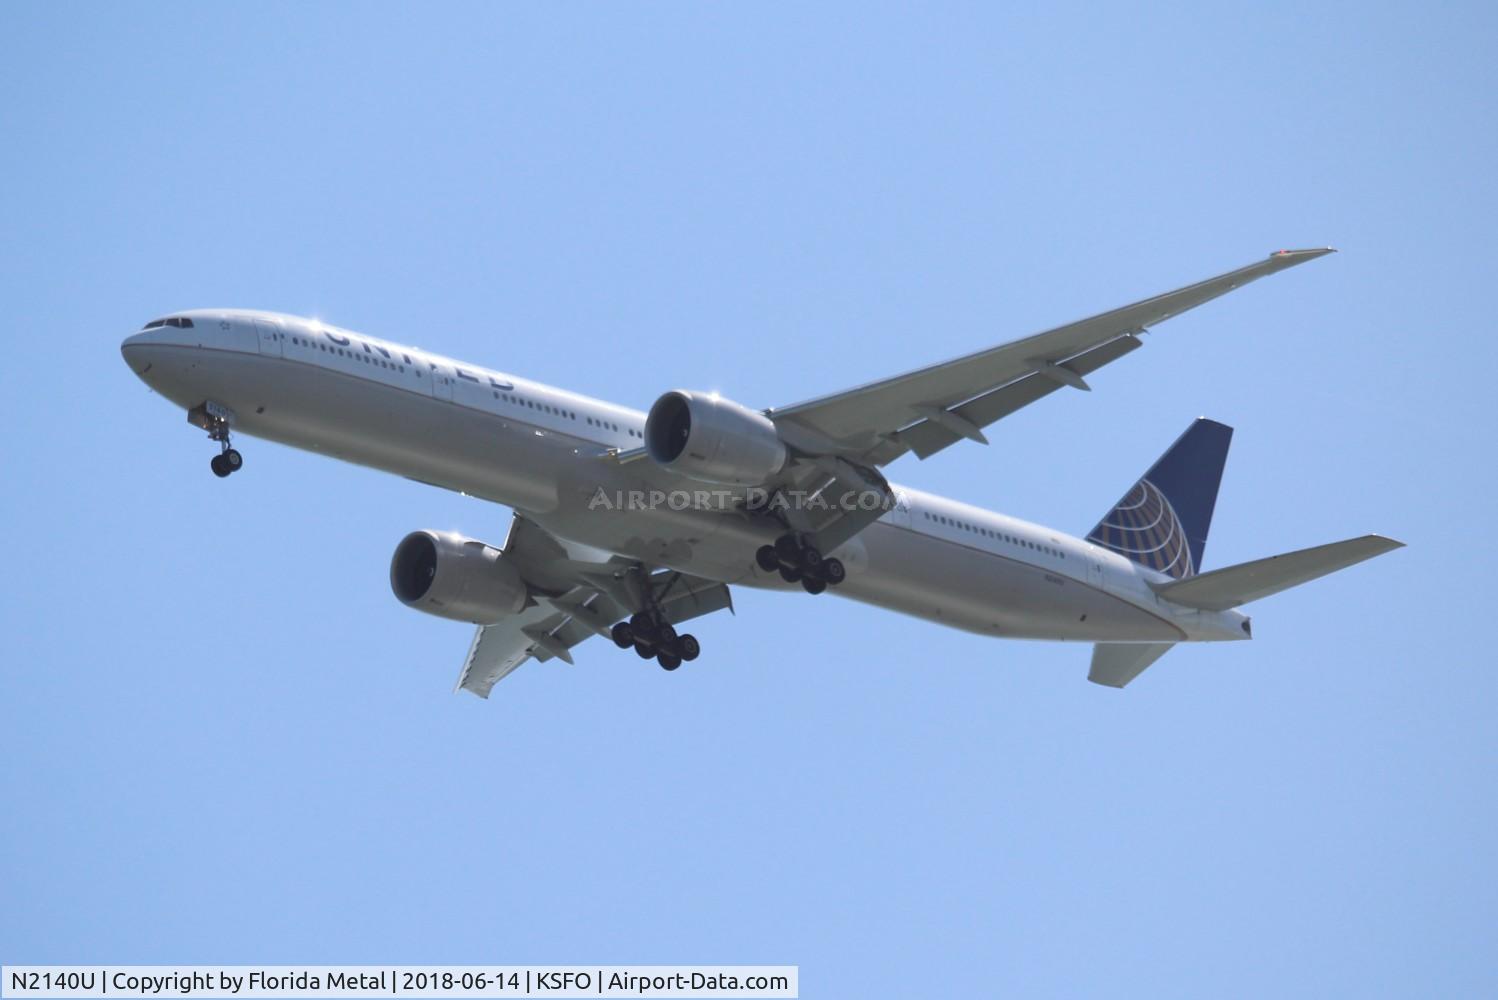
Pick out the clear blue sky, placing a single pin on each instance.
(225, 741)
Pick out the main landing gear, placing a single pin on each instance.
(652, 636)
(796, 559)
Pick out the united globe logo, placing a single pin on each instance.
(1144, 527)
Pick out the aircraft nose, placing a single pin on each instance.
(131, 349)
(142, 352)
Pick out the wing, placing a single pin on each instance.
(575, 594)
(926, 410)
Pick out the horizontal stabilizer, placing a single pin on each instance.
(1114, 664)
(1227, 588)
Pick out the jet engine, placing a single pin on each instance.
(713, 440)
(450, 576)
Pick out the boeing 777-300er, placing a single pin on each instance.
(628, 524)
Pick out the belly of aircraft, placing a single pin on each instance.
(979, 591)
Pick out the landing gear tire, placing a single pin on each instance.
(668, 661)
(788, 550)
(219, 466)
(811, 560)
(767, 559)
(623, 635)
(644, 650)
(233, 461)
(642, 627)
(833, 572)
(665, 635)
(789, 575)
(814, 585)
(688, 648)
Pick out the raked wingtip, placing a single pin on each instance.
(1302, 255)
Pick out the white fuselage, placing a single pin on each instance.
(547, 453)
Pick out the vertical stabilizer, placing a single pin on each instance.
(1162, 522)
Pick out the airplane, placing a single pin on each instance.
(627, 525)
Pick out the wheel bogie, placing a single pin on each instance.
(652, 637)
(798, 561)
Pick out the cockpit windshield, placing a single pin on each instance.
(181, 322)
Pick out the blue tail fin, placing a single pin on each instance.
(1163, 521)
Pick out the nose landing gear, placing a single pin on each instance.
(796, 559)
(215, 420)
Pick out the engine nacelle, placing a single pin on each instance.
(713, 440)
(450, 576)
